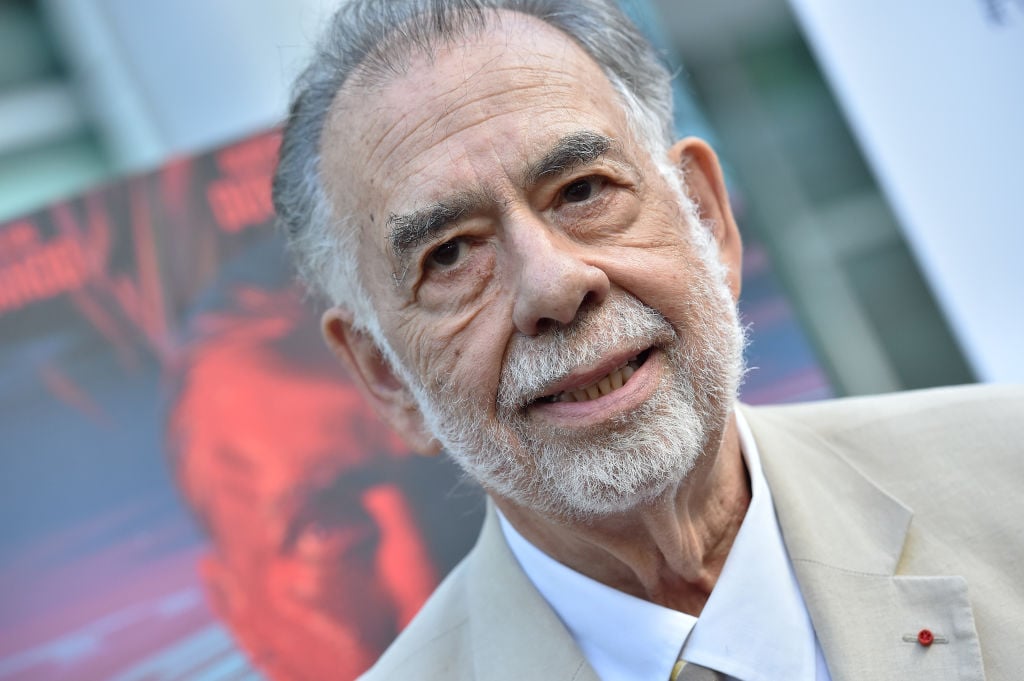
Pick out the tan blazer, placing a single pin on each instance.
(900, 513)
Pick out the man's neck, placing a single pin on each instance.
(669, 551)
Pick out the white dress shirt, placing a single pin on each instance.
(754, 627)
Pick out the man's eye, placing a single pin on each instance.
(580, 190)
(447, 254)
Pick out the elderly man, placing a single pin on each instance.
(525, 273)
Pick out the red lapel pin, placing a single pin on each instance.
(925, 637)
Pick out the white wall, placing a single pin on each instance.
(935, 94)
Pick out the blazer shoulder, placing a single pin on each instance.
(978, 407)
(923, 447)
(435, 642)
(917, 434)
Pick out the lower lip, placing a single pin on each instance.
(637, 390)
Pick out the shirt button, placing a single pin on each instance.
(925, 637)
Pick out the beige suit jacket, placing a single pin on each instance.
(899, 513)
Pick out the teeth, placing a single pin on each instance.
(603, 386)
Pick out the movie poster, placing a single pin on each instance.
(190, 486)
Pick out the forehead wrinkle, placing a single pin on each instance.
(449, 116)
(425, 159)
(408, 113)
(559, 70)
(492, 65)
(404, 115)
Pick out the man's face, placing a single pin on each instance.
(566, 335)
(306, 531)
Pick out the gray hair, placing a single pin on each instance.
(373, 40)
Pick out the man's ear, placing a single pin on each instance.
(385, 391)
(705, 185)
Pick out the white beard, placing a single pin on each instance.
(580, 474)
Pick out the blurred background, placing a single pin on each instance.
(91, 90)
(167, 406)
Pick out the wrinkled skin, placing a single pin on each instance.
(528, 252)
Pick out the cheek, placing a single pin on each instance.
(662, 275)
(462, 324)
(462, 352)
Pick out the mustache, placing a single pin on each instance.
(532, 363)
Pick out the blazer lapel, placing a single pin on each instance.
(845, 537)
(515, 635)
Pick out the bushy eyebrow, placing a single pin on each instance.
(570, 152)
(409, 230)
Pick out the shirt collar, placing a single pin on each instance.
(754, 627)
(622, 636)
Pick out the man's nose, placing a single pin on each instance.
(555, 280)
